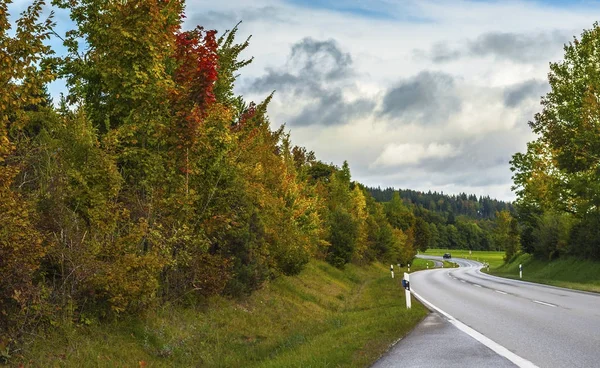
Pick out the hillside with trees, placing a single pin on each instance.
(461, 204)
(151, 182)
(436, 220)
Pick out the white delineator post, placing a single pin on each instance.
(392, 270)
(520, 271)
(407, 291)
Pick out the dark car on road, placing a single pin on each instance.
(447, 256)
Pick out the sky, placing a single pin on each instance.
(419, 94)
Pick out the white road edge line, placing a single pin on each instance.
(477, 285)
(500, 291)
(494, 346)
(544, 303)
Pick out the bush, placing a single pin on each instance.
(21, 252)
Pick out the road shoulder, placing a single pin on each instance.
(435, 342)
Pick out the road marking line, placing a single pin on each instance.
(462, 281)
(544, 303)
(494, 346)
(501, 292)
(477, 285)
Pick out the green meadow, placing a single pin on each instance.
(493, 258)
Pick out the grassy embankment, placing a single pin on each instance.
(324, 317)
(569, 272)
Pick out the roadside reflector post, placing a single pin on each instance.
(520, 271)
(409, 267)
(392, 270)
(406, 285)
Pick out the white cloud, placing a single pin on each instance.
(413, 153)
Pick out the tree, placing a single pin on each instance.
(552, 234)
(506, 234)
(25, 68)
(397, 214)
(342, 239)
(558, 174)
(422, 234)
(566, 155)
(435, 236)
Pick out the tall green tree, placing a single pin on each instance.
(422, 234)
(506, 234)
(398, 215)
(569, 128)
(559, 172)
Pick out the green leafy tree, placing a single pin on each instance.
(398, 215)
(506, 234)
(435, 236)
(569, 126)
(552, 234)
(422, 234)
(342, 238)
(559, 172)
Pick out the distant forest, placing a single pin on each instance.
(451, 221)
(461, 204)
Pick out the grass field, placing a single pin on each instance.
(494, 258)
(419, 263)
(570, 272)
(325, 317)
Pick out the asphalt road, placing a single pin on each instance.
(436, 343)
(548, 326)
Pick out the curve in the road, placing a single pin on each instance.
(542, 325)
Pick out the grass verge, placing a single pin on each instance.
(324, 317)
(494, 258)
(569, 272)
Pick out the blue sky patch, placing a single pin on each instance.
(367, 9)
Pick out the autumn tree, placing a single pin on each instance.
(24, 61)
(151, 180)
(559, 172)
